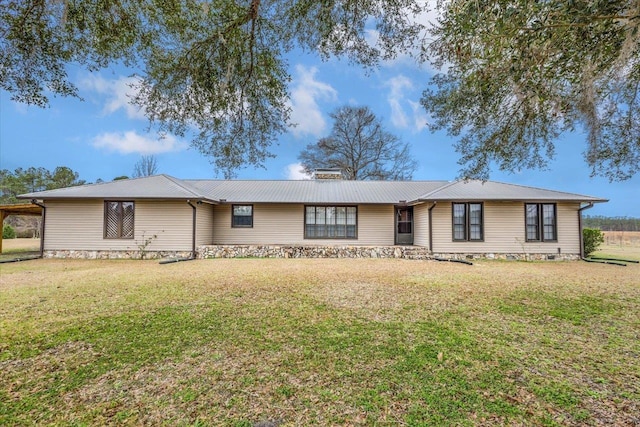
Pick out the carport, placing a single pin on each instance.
(30, 209)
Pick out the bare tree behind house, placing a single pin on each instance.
(361, 148)
(146, 166)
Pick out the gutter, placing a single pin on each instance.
(584, 208)
(42, 228)
(431, 226)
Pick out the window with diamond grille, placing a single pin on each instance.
(118, 220)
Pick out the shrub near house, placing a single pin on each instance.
(592, 239)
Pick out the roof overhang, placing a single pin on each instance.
(511, 200)
(121, 198)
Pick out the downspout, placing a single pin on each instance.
(431, 226)
(193, 234)
(44, 217)
(584, 208)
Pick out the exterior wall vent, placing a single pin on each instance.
(327, 173)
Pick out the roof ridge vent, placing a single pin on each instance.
(327, 173)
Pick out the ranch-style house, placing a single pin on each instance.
(160, 216)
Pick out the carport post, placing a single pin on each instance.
(2, 217)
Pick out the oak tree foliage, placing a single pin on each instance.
(360, 147)
(518, 73)
(215, 68)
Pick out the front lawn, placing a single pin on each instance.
(319, 342)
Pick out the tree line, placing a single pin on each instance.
(32, 179)
(29, 180)
(615, 223)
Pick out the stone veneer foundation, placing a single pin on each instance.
(277, 251)
(132, 254)
(404, 252)
(511, 256)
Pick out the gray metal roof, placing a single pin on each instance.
(307, 191)
(152, 187)
(315, 191)
(491, 190)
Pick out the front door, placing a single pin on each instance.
(404, 225)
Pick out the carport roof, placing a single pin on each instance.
(20, 209)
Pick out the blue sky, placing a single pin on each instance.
(103, 136)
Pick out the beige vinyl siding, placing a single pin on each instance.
(504, 230)
(284, 224)
(204, 224)
(421, 225)
(79, 225)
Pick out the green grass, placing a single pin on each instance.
(318, 342)
(18, 248)
(618, 252)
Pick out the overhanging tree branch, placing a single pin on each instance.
(563, 60)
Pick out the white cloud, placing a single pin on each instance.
(131, 142)
(420, 119)
(296, 172)
(398, 102)
(398, 85)
(118, 93)
(305, 94)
